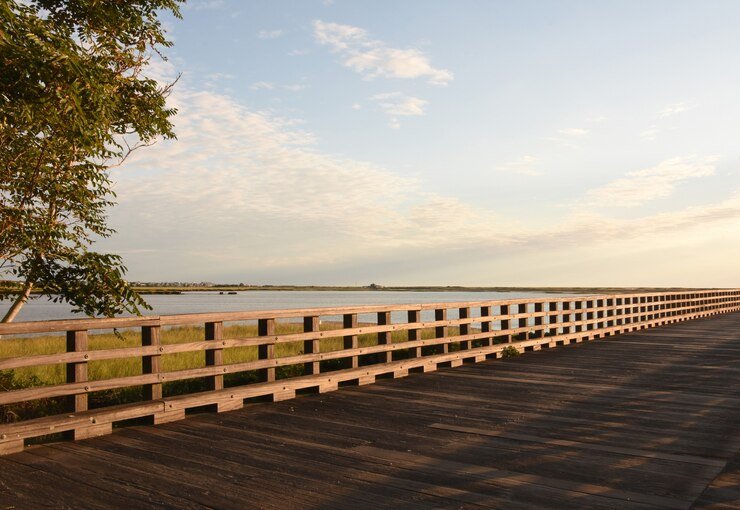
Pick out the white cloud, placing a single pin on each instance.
(270, 34)
(525, 165)
(397, 103)
(160, 70)
(595, 228)
(219, 76)
(673, 109)
(254, 186)
(650, 133)
(247, 195)
(299, 52)
(569, 136)
(201, 5)
(216, 80)
(373, 58)
(573, 131)
(356, 106)
(563, 142)
(262, 85)
(652, 183)
(268, 85)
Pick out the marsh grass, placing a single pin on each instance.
(510, 352)
(109, 369)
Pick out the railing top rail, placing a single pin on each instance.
(62, 325)
(77, 324)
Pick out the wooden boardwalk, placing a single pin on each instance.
(649, 419)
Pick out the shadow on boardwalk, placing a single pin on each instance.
(643, 420)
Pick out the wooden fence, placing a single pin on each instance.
(397, 339)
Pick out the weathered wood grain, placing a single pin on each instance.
(77, 371)
(648, 419)
(214, 332)
(151, 337)
(538, 323)
(705, 298)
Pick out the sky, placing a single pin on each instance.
(429, 142)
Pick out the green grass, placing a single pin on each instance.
(109, 369)
(510, 352)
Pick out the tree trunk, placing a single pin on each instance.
(19, 302)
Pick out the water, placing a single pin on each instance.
(197, 302)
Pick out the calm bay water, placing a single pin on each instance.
(196, 302)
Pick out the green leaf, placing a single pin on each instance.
(67, 90)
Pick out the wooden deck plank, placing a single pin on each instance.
(268, 468)
(505, 453)
(433, 477)
(206, 484)
(670, 421)
(649, 419)
(723, 493)
(546, 462)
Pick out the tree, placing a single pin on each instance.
(73, 103)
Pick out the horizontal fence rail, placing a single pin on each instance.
(298, 350)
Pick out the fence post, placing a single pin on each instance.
(589, 316)
(539, 330)
(214, 357)
(566, 318)
(440, 314)
(266, 327)
(351, 341)
(505, 323)
(77, 371)
(414, 334)
(310, 325)
(578, 318)
(385, 337)
(524, 321)
(150, 336)
(552, 320)
(464, 313)
(485, 325)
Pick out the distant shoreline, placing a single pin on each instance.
(175, 290)
(451, 288)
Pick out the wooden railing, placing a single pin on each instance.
(394, 340)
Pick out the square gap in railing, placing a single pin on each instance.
(48, 438)
(184, 386)
(238, 329)
(241, 378)
(20, 411)
(115, 396)
(333, 365)
(329, 323)
(181, 334)
(311, 390)
(181, 361)
(332, 344)
(202, 409)
(33, 377)
(368, 319)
